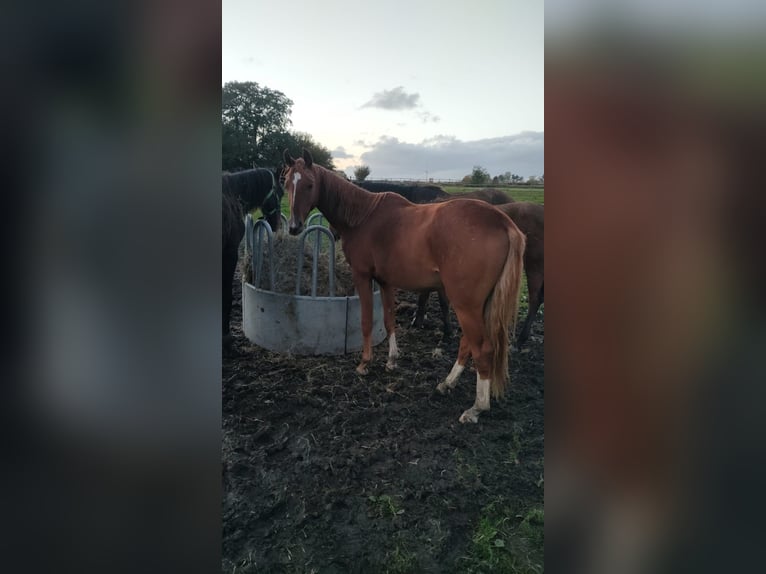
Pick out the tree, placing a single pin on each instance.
(254, 125)
(479, 175)
(361, 172)
(516, 178)
(532, 180)
(300, 140)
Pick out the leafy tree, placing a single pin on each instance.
(253, 117)
(479, 175)
(361, 172)
(532, 180)
(516, 178)
(300, 140)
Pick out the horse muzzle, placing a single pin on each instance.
(295, 228)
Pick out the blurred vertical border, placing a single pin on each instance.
(655, 329)
(111, 299)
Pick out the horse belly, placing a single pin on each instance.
(410, 275)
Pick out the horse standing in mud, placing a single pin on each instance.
(242, 192)
(530, 219)
(466, 247)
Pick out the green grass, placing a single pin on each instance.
(504, 541)
(385, 505)
(517, 193)
(400, 560)
(536, 195)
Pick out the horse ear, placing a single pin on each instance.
(307, 157)
(289, 161)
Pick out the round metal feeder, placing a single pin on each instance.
(302, 324)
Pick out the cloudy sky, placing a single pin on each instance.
(407, 87)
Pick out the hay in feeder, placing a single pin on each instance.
(286, 254)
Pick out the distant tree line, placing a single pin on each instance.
(480, 176)
(255, 124)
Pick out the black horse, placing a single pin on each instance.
(414, 193)
(242, 192)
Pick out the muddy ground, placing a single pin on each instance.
(327, 471)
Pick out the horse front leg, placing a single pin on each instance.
(389, 319)
(363, 284)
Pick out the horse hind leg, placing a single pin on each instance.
(535, 285)
(481, 403)
(481, 351)
(457, 369)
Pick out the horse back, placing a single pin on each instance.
(528, 217)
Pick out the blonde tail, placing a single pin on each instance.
(501, 310)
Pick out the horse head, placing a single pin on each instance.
(301, 188)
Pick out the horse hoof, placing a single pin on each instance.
(362, 370)
(469, 417)
(390, 366)
(442, 388)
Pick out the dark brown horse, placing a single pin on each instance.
(488, 194)
(241, 193)
(466, 247)
(530, 219)
(417, 193)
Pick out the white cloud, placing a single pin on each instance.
(340, 153)
(446, 157)
(396, 99)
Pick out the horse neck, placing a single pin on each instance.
(344, 204)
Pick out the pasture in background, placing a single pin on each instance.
(535, 194)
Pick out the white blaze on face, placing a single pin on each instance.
(296, 179)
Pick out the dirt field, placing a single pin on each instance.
(326, 471)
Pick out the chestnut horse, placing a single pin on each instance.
(530, 219)
(464, 246)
